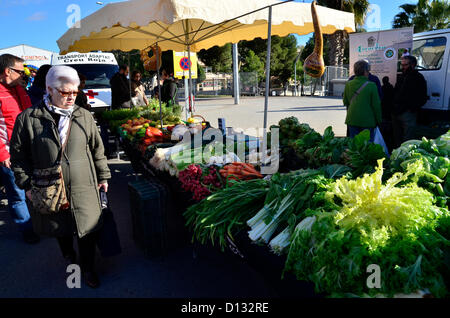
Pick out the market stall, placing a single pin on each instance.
(336, 206)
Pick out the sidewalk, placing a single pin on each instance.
(318, 112)
(39, 270)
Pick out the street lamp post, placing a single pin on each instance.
(295, 74)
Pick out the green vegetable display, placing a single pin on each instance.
(115, 118)
(433, 154)
(226, 211)
(289, 195)
(388, 225)
(357, 153)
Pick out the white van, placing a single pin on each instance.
(98, 69)
(432, 51)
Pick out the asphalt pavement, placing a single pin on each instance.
(39, 270)
(318, 112)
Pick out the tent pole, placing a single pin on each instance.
(186, 96)
(159, 84)
(235, 74)
(269, 44)
(191, 102)
(129, 79)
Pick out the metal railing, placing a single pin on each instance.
(323, 86)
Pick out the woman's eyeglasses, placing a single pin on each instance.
(67, 94)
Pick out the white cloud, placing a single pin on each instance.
(38, 16)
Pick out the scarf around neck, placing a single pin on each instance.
(66, 114)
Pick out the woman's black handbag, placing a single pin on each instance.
(108, 241)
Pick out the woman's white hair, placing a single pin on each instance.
(59, 75)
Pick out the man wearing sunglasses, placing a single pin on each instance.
(13, 100)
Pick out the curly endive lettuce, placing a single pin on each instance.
(380, 212)
(389, 225)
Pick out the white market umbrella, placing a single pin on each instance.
(195, 24)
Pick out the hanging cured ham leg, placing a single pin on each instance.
(314, 65)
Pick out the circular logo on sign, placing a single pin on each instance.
(185, 63)
(389, 53)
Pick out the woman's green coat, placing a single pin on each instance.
(35, 144)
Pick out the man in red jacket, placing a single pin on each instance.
(13, 100)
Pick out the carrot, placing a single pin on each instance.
(249, 166)
(232, 170)
(236, 163)
(250, 170)
(246, 173)
(222, 171)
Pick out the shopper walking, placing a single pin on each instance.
(39, 136)
(362, 101)
(13, 100)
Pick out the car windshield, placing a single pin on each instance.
(97, 75)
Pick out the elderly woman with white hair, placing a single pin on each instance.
(58, 133)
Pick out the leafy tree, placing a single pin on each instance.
(201, 76)
(426, 15)
(253, 63)
(339, 39)
(283, 53)
(219, 58)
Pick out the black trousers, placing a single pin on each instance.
(86, 249)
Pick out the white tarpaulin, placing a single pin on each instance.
(174, 24)
(31, 55)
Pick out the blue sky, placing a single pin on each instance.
(41, 22)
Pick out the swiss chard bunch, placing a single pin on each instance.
(308, 141)
(290, 130)
(328, 150)
(362, 155)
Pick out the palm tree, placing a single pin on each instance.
(405, 18)
(426, 15)
(338, 39)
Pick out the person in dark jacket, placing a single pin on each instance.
(387, 102)
(410, 96)
(120, 89)
(82, 99)
(168, 89)
(36, 143)
(38, 89)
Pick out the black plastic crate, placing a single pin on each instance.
(158, 227)
(147, 206)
